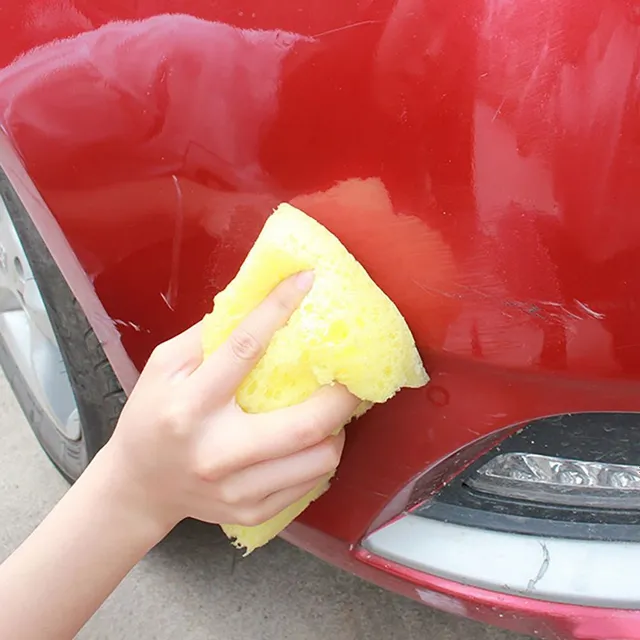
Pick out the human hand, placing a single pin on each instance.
(183, 447)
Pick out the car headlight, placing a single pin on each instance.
(562, 481)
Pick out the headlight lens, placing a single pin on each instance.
(560, 481)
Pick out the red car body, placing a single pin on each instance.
(479, 158)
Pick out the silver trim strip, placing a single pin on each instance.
(582, 572)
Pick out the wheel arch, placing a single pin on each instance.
(16, 183)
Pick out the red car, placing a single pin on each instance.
(481, 159)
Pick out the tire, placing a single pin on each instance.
(98, 395)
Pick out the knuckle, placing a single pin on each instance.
(178, 418)
(310, 430)
(204, 471)
(161, 356)
(215, 464)
(331, 457)
(244, 346)
(231, 495)
(208, 469)
(251, 517)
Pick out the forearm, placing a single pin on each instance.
(70, 564)
(182, 448)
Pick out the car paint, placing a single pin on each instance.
(479, 158)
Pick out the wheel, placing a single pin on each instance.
(51, 356)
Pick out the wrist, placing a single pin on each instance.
(120, 498)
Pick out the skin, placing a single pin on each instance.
(182, 448)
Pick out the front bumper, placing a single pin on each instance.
(564, 570)
(538, 618)
(589, 594)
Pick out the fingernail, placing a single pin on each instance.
(304, 280)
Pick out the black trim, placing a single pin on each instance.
(468, 517)
(605, 437)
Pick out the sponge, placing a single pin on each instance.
(346, 330)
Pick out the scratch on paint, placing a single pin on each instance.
(498, 110)
(543, 309)
(564, 310)
(346, 27)
(438, 292)
(166, 301)
(133, 325)
(544, 567)
(172, 290)
(621, 347)
(557, 305)
(590, 312)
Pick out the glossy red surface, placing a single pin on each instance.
(479, 158)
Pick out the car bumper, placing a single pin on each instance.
(520, 607)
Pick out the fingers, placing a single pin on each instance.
(281, 433)
(265, 478)
(287, 431)
(224, 370)
(277, 502)
(254, 438)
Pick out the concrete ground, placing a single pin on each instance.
(189, 589)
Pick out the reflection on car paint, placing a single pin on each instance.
(480, 159)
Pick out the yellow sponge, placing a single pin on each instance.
(346, 330)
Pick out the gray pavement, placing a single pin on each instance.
(189, 589)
